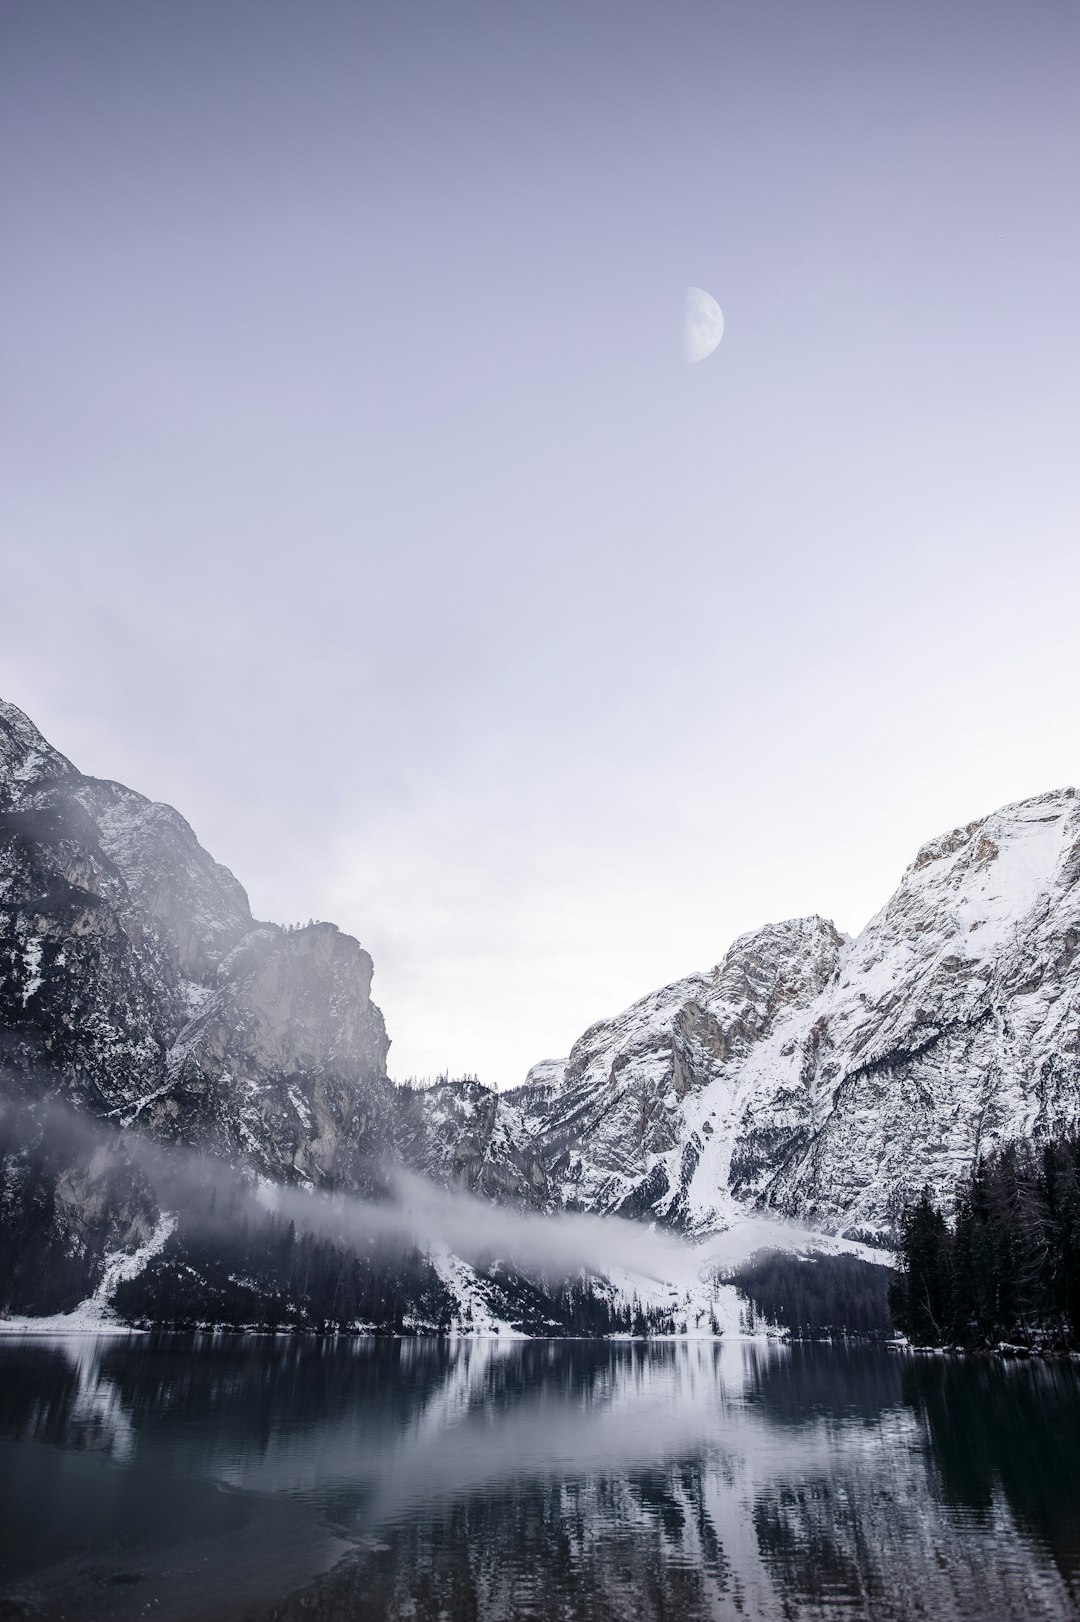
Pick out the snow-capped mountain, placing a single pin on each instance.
(830, 1078)
(136, 984)
(821, 1077)
(617, 1131)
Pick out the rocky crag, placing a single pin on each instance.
(136, 984)
(829, 1079)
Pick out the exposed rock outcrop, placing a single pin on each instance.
(831, 1079)
(136, 984)
(616, 1132)
(465, 1136)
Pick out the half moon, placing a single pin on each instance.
(703, 324)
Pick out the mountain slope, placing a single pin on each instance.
(137, 985)
(817, 1076)
(615, 1133)
(830, 1079)
(137, 990)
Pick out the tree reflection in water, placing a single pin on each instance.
(577, 1479)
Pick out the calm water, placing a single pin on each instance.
(225, 1479)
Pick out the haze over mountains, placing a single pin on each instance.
(821, 1078)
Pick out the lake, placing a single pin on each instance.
(214, 1479)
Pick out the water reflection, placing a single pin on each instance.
(247, 1478)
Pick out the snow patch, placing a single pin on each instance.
(96, 1313)
(474, 1315)
(32, 966)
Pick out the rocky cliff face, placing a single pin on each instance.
(617, 1131)
(463, 1135)
(952, 1024)
(136, 984)
(830, 1079)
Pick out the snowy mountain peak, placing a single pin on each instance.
(995, 870)
(137, 984)
(831, 1077)
(779, 963)
(26, 758)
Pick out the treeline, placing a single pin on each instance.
(262, 1273)
(576, 1306)
(814, 1296)
(1007, 1266)
(424, 1084)
(245, 1271)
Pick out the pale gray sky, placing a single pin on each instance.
(356, 499)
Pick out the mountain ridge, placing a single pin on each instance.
(809, 1074)
(986, 921)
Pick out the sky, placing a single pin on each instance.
(355, 497)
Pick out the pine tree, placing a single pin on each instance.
(921, 1295)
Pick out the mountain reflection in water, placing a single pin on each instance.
(216, 1479)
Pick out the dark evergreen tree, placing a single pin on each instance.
(1061, 1268)
(1009, 1270)
(921, 1294)
(814, 1296)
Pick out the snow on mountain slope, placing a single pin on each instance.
(461, 1134)
(26, 759)
(615, 1133)
(953, 1023)
(831, 1079)
(822, 1077)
